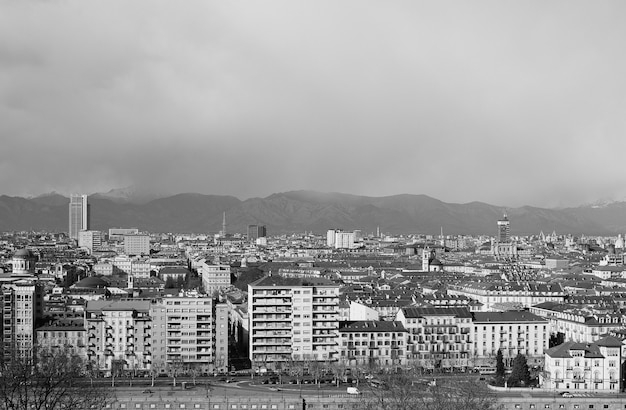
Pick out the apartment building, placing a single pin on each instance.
(22, 306)
(583, 366)
(190, 334)
(292, 319)
(137, 245)
(214, 277)
(372, 343)
(512, 332)
(68, 334)
(523, 294)
(119, 335)
(437, 337)
(90, 240)
(578, 323)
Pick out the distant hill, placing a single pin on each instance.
(300, 211)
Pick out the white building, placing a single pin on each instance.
(523, 294)
(292, 319)
(338, 239)
(583, 366)
(190, 333)
(136, 245)
(214, 277)
(511, 332)
(90, 240)
(119, 335)
(438, 337)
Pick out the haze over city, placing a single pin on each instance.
(505, 103)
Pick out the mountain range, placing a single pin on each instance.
(300, 211)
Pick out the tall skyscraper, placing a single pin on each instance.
(504, 230)
(256, 231)
(79, 215)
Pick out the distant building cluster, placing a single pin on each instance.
(134, 302)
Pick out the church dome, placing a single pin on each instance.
(24, 254)
(91, 282)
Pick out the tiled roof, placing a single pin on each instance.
(371, 326)
(414, 312)
(506, 317)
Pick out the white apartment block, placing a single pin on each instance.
(338, 239)
(185, 336)
(523, 294)
(119, 336)
(136, 245)
(292, 319)
(438, 337)
(90, 240)
(583, 366)
(214, 277)
(578, 324)
(511, 332)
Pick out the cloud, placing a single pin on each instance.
(498, 102)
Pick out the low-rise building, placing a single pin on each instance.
(584, 366)
(512, 332)
(376, 344)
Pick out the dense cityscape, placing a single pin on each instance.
(335, 309)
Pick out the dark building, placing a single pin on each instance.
(256, 231)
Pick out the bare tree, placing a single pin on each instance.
(55, 380)
(403, 392)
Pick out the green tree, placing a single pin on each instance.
(520, 374)
(500, 372)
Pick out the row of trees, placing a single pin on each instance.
(402, 392)
(55, 380)
(520, 373)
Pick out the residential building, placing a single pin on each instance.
(67, 334)
(90, 240)
(584, 366)
(190, 334)
(438, 337)
(523, 294)
(119, 336)
(214, 277)
(512, 332)
(375, 344)
(292, 319)
(137, 245)
(22, 306)
(579, 324)
(78, 215)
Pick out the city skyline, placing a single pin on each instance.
(509, 104)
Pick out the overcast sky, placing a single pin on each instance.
(504, 102)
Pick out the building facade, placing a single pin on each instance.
(437, 337)
(292, 319)
(584, 367)
(22, 306)
(78, 215)
(137, 245)
(372, 344)
(513, 332)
